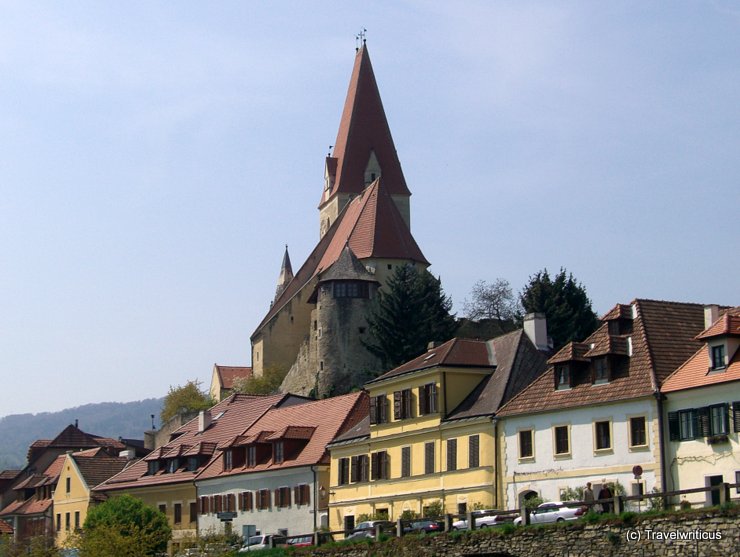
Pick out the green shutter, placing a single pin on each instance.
(674, 428)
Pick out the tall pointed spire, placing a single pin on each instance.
(286, 274)
(364, 148)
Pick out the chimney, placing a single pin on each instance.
(711, 314)
(204, 420)
(535, 327)
(432, 344)
(129, 454)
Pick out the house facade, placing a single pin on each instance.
(274, 476)
(430, 437)
(702, 409)
(596, 413)
(165, 478)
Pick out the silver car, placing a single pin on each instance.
(553, 511)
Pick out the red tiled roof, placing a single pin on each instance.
(98, 467)
(227, 374)
(329, 417)
(236, 413)
(372, 227)
(9, 474)
(5, 528)
(363, 128)
(571, 352)
(662, 339)
(30, 506)
(457, 352)
(727, 325)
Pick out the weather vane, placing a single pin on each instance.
(360, 38)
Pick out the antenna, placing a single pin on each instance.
(360, 37)
(152, 415)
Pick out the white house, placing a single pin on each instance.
(595, 414)
(274, 477)
(703, 411)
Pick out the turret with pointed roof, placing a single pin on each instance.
(314, 328)
(364, 149)
(286, 274)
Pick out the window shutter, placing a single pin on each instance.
(473, 451)
(355, 469)
(373, 410)
(432, 398)
(232, 502)
(297, 495)
(726, 418)
(382, 409)
(278, 499)
(422, 400)
(736, 416)
(306, 494)
(429, 458)
(374, 467)
(397, 405)
(249, 501)
(452, 454)
(405, 462)
(705, 425)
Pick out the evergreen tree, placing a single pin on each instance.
(565, 304)
(407, 314)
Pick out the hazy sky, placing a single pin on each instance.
(155, 157)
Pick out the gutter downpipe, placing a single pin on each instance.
(315, 498)
(494, 421)
(661, 441)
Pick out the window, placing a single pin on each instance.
(59, 522)
(736, 416)
(343, 478)
(718, 357)
(67, 524)
(68, 484)
(429, 458)
(562, 377)
(462, 508)
(452, 454)
(193, 508)
(601, 370)
(719, 419)
(380, 466)
(162, 508)
(378, 409)
(638, 432)
(473, 451)
(351, 289)
(246, 502)
(688, 424)
(263, 499)
(428, 399)
(172, 465)
(526, 447)
(405, 462)
(302, 494)
(251, 456)
(279, 452)
(737, 481)
(282, 497)
(562, 440)
(603, 435)
(402, 404)
(360, 468)
(178, 513)
(152, 467)
(228, 459)
(192, 463)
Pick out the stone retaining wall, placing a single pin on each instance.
(700, 534)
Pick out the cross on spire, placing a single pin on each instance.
(360, 38)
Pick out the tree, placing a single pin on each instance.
(188, 398)
(265, 384)
(493, 300)
(565, 304)
(124, 527)
(407, 314)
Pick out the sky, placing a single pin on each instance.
(155, 158)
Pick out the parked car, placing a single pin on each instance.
(367, 529)
(553, 511)
(190, 552)
(483, 519)
(301, 541)
(425, 525)
(262, 541)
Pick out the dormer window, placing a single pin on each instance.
(562, 377)
(153, 467)
(717, 357)
(173, 465)
(278, 452)
(251, 456)
(192, 463)
(601, 371)
(228, 459)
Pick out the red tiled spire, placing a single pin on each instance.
(362, 131)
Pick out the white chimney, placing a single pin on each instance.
(535, 327)
(204, 420)
(128, 454)
(711, 314)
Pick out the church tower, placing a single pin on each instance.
(363, 151)
(286, 274)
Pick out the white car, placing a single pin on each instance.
(553, 511)
(262, 541)
(482, 520)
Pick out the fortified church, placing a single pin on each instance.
(316, 324)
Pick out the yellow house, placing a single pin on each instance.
(430, 436)
(80, 472)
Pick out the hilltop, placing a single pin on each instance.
(108, 419)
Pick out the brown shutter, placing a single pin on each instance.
(355, 469)
(306, 494)
(705, 427)
(374, 466)
(397, 405)
(432, 398)
(422, 400)
(373, 410)
(736, 416)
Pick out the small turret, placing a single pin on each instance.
(286, 274)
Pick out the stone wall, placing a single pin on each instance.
(707, 533)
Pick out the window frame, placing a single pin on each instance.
(452, 454)
(631, 433)
(520, 432)
(609, 432)
(717, 352)
(474, 451)
(556, 453)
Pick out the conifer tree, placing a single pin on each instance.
(565, 304)
(407, 314)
